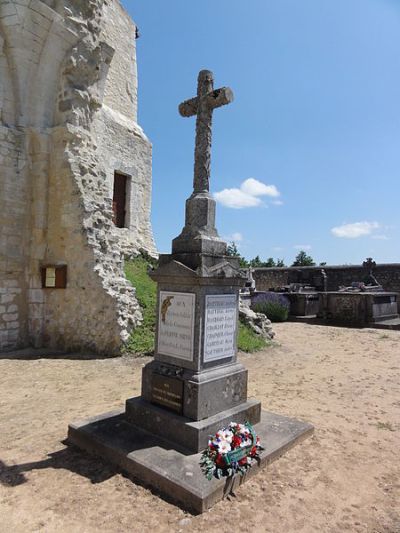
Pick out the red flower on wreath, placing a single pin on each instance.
(219, 461)
(236, 441)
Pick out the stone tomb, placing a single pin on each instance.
(358, 308)
(195, 385)
(303, 304)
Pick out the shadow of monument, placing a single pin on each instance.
(82, 463)
(29, 354)
(79, 462)
(70, 459)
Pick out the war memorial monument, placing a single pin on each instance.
(195, 385)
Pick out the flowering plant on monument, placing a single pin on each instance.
(230, 451)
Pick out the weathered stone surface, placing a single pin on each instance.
(184, 433)
(205, 393)
(173, 277)
(357, 308)
(68, 120)
(174, 474)
(258, 322)
(202, 106)
(387, 274)
(199, 234)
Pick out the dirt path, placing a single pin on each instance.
(345, 478)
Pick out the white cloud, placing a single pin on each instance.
(235, 237)
(277, 202)
(236, 199)
(247, 195)
(355, 230)
(257, 188)
(305, 247)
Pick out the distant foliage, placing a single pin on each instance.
(302, 259)
(233, 251)
(274, 306)
(254, 263)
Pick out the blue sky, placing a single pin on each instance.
(311, 144)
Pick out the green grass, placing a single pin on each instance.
(248, 341)
(141, 341)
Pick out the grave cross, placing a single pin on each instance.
(203, 105)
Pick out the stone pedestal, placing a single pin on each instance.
(199, 234)
(172, 472)
(194, 386)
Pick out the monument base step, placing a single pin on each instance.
(175, 475)
(386, 324)
(385, 318)
(183, 432)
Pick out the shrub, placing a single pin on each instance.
(275, 306)
(248, 341)
(141, 340)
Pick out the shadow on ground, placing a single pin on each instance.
(69, 458)
(31, 353)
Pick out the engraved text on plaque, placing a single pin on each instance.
(220, 327)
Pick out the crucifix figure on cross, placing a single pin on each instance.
(203, 105)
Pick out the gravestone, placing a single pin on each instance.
(195, 385)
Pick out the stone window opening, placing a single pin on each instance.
(121, 199)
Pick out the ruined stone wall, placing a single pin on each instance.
(388, 275)
(61, 97)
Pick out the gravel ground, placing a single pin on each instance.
(345, 478)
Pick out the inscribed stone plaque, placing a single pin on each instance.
(167, 392)
(220, 327)
(176, 324)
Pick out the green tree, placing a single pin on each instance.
(280, 263)
(270, 262)
(232, 251)
(302, 259)
(256, 262)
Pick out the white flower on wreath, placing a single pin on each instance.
(227, 435)
(245, 442)
(224, 447)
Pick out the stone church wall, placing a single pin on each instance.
(68, 108)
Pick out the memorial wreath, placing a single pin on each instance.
(230, 451)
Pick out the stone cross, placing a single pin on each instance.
(203, 105)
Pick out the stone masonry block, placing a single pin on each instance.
(6, 298)
(10, 317)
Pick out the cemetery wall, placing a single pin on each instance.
(68, 107)
(388, 275)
